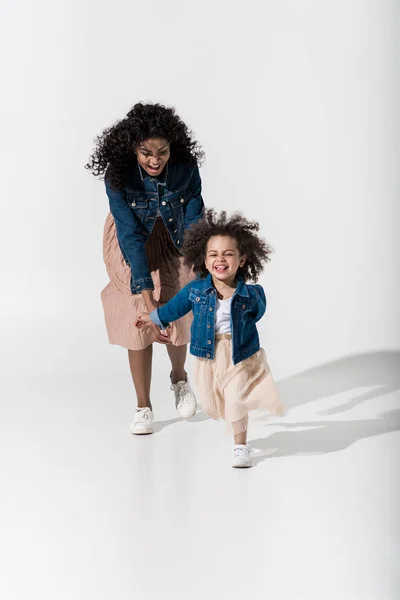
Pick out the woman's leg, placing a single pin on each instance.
(177, 356)
(140, 362)
(185, 400)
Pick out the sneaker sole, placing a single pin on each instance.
(141, 431)
(188, 416)
(242, 466)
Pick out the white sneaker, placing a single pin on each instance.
(241, 457)
(142, 421)
(185, 400)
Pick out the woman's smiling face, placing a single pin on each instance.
(152, 155)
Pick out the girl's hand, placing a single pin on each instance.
(143, 320)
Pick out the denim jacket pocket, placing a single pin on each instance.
(139, 206)
(137, 203)
(197, 299)
(241, 310)
(179, 197)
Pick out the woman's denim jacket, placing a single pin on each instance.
(248, 306)
(135, 208)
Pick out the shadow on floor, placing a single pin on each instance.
(380, 370)
(198, 418)
(323, 437)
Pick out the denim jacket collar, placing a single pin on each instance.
(241, 289)
(145, 176)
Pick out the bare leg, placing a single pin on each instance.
(240, 438)
(140, 362)
(177, 355)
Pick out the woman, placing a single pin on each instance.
(150, 165)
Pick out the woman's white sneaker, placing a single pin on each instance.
(241, 457)
(185, 400)
(142, 421)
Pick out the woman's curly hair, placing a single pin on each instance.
(115, 148)
(239, 228)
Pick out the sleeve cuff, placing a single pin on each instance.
(142, 284)
(156, 319)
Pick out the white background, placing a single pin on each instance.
(296, 106)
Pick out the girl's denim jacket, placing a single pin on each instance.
(134, 208)
(200, 296)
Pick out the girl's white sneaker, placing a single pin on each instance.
(241, 457)
(142, 421)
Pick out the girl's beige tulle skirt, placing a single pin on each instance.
(121, 307)
(231, 392)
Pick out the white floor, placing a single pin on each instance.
(91, 512)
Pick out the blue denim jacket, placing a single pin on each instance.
(248, 306)
(135, 209)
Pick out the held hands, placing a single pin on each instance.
(143, 320)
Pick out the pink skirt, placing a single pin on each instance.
(121, 307)
(230, 392)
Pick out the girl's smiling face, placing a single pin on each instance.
(152, 155)
(223, 258)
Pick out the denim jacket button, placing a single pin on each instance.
(210, 308)
(207, 356)
(197, 299)
(209, 326)
(133, 204)
(170, 220)
(209, 342)
(212, 292)
(163, 203)
(243, 306)
(182, 200)
(178, 242)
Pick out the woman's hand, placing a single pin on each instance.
(149, 301)
(143, 320)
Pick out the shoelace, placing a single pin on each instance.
(143, 414)
(242, 452)
(183, 391)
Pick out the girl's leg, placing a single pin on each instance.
(240, 438)
(241, 452)
(177, 356)
(140, 362)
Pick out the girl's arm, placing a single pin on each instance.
(176, 308)
(194, 210)
(260, 306)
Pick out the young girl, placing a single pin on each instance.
(150, 163)
(232, 372)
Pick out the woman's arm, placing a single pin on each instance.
(130, 240)
(173, 310)
(195, 206)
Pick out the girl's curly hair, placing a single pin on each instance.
(238, 227)
(114, 152)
